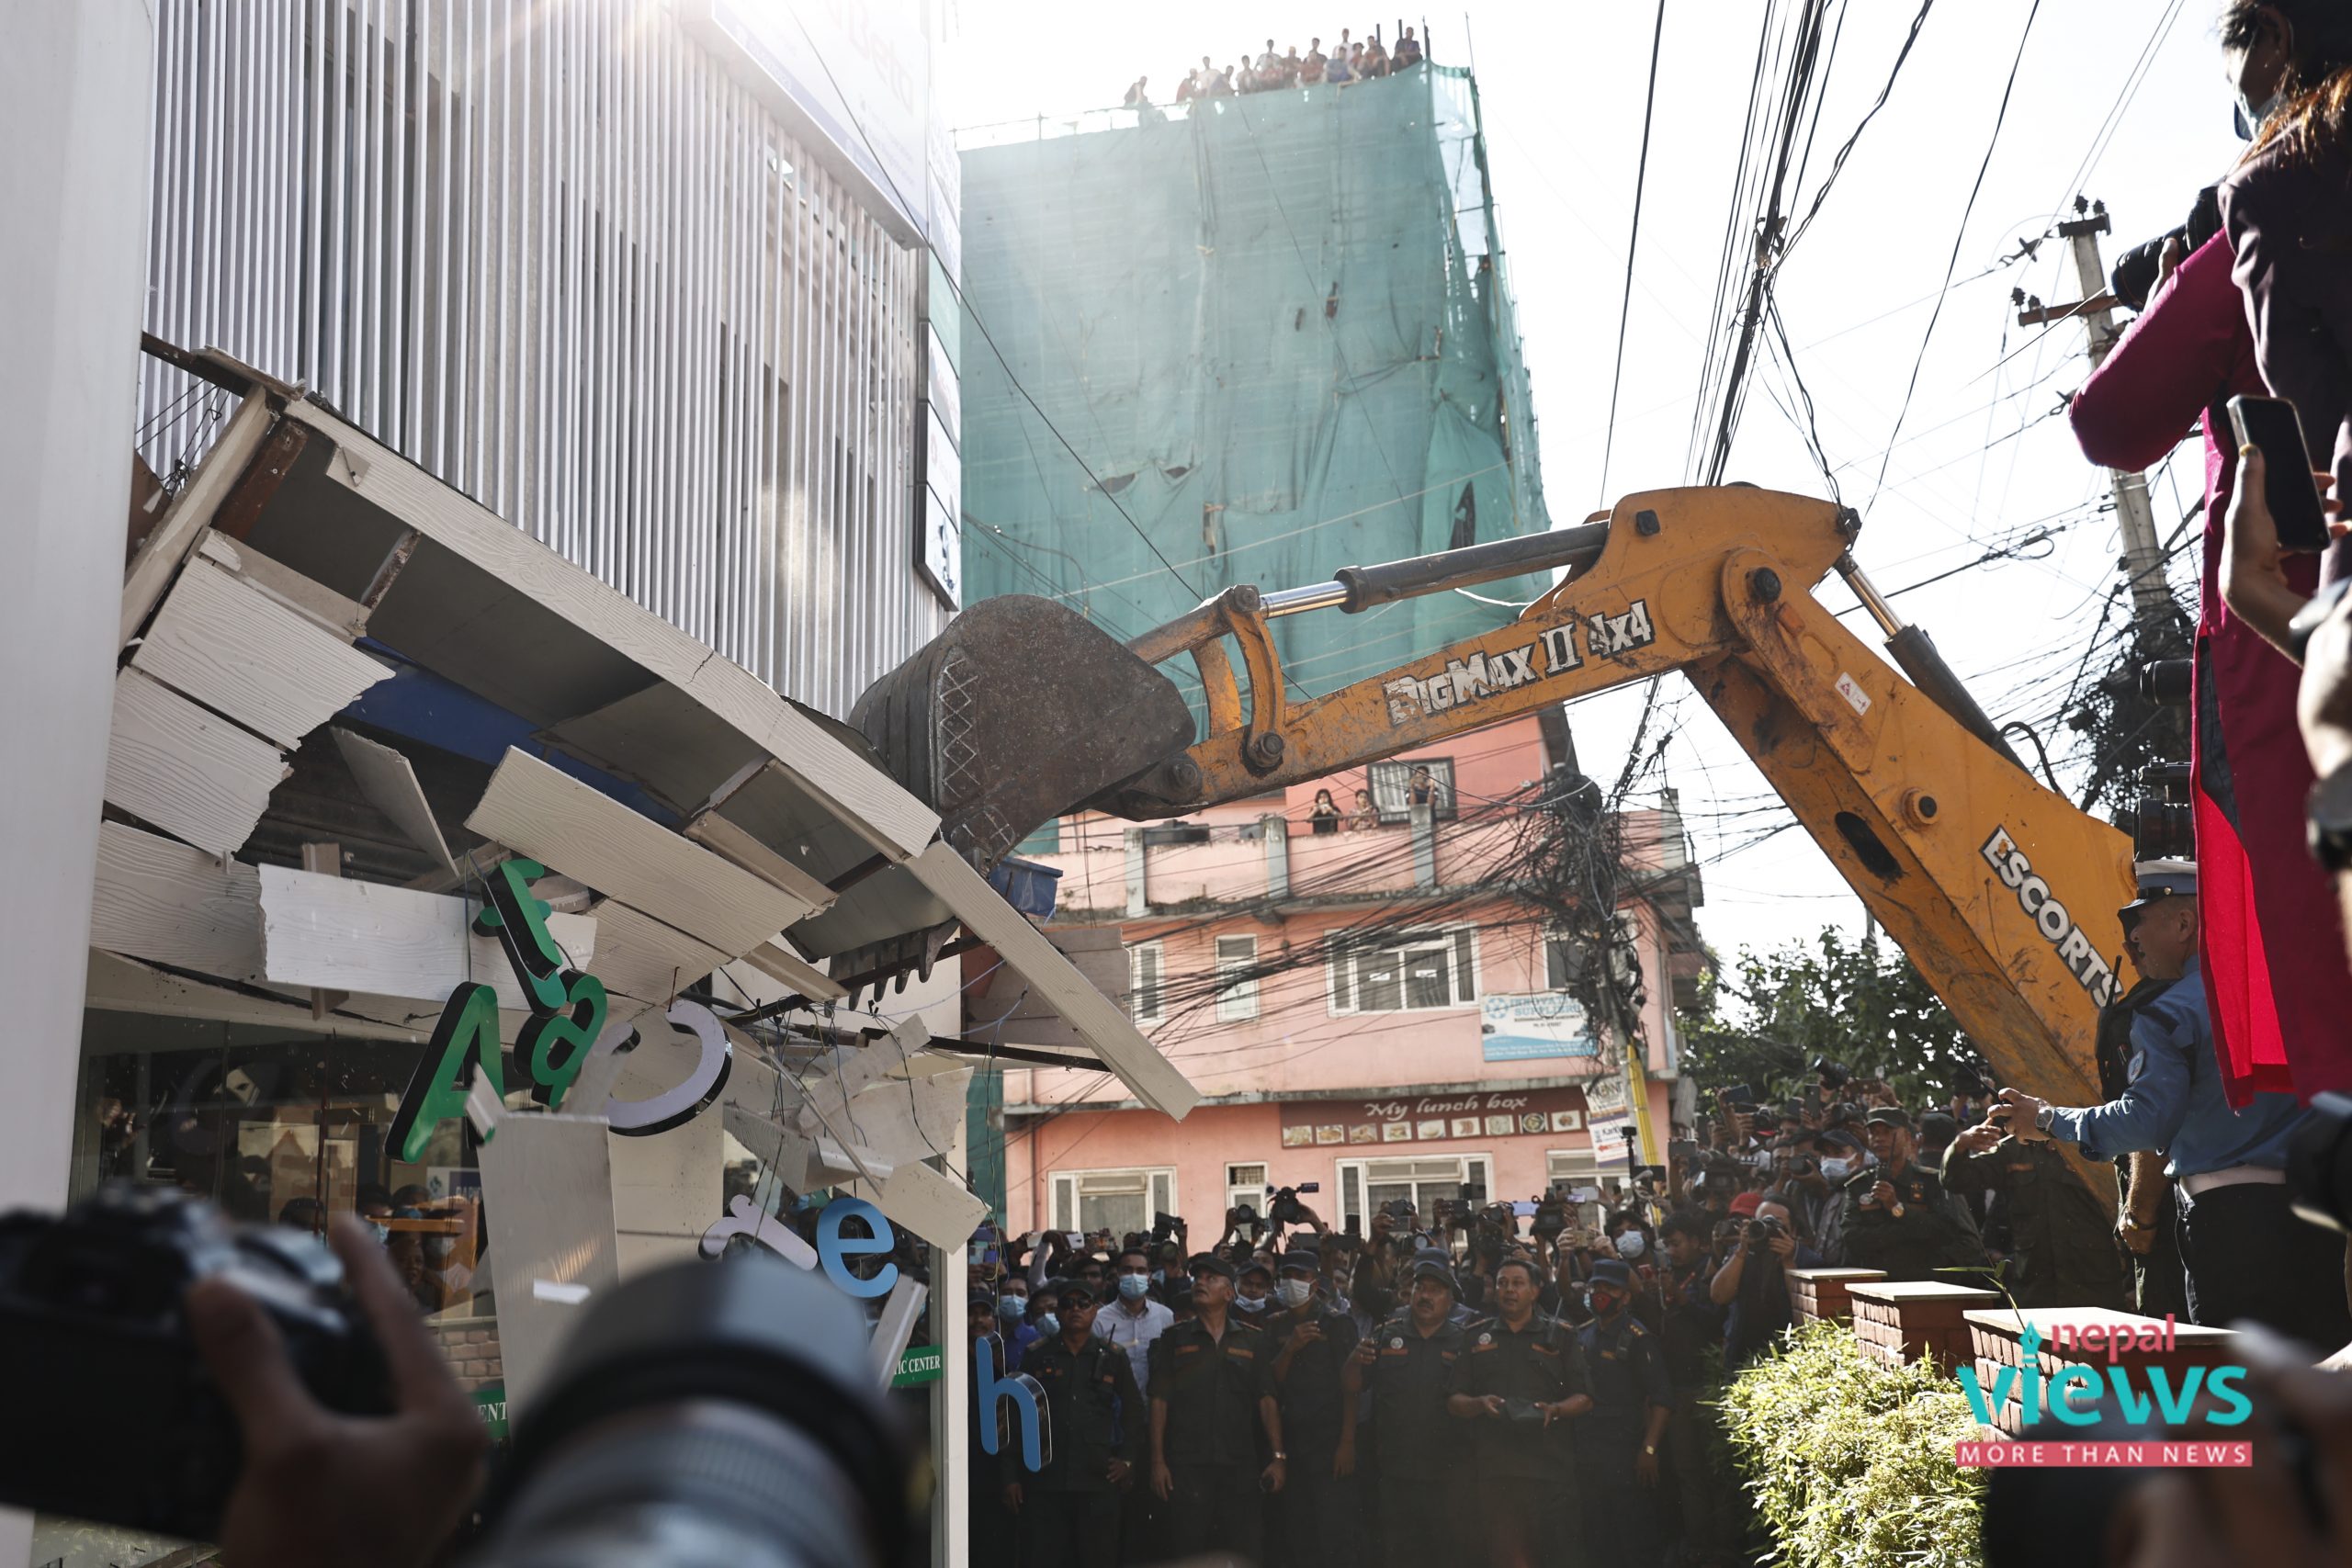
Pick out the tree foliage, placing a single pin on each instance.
(1861, 1003)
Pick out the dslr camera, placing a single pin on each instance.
(1760, 1232)
(1165, 1225)
(131, 1429)
(1283, 1206)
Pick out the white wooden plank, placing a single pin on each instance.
(639, 956)
(241, 652)
(385, 777)
(190, 772)
(867, 800)
(171, 540)
(934, 1207)
(564, 824)
(773, 960)
(118, 984)
(547, 1187)
(159, 899)
(1098, 1020)
(365, 937)
(722, 838)
(343, 619)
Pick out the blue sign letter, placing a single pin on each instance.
(1028, 1407)
(833, 1247)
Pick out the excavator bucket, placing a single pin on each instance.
(1019, 711)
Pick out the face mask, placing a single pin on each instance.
(1049, 1326)
(1836, 1169)
(1011, 1308)
(436, 1249)
(1603, 1303)
(1632, 1245)
(1133, 1287)
(383, 1233)
(1294, 1292)
(1159, 1275)
(1251, 1304)
(2250, 116)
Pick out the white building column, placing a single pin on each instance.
(75, 85)
(74, 113)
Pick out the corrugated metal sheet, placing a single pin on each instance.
(554, 253)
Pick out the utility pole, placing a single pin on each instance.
(2153, 610)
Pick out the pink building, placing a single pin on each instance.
(1364, 1004)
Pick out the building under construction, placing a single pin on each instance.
(1278, 332)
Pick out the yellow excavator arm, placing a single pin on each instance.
(2003, 892)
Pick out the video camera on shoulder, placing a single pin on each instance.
(1551, 1216)
(1283, 1206)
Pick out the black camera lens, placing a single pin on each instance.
(718, 1408)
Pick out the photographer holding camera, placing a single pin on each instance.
(1753, 1281)
(320, 1487)
(1897, 1215)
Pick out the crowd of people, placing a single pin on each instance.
(1350, 59)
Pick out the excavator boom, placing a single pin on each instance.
(2003, 892)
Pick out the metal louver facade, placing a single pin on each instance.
(554, 252)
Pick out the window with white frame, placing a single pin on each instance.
(1147, 972)
(1367, 1184)
(1236, 989)
(1244, 1184)
(1413, 972)
(1397, 787)
(1114, 1201)
(1563, 961)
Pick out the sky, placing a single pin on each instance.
(1980, 457)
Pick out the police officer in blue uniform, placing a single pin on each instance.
(1617, 1441)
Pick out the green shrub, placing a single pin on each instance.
(1849, 1461)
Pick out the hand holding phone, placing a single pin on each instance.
(2272, 426)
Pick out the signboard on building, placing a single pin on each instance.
(1609, 1138)
(919, 1364)
(1423, 1118)
(1525, 1026)
(1604, 1096)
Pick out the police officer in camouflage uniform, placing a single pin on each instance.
(1517, 1386)
(1617, 1441)
(2061, 1250)
(1069, 1510)
(1897, 1215)
(1407, 1363)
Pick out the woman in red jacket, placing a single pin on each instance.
(2264, 907)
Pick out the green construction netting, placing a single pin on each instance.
(1277, 330)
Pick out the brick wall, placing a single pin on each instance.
(470, 1347)
(1900, 1321)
